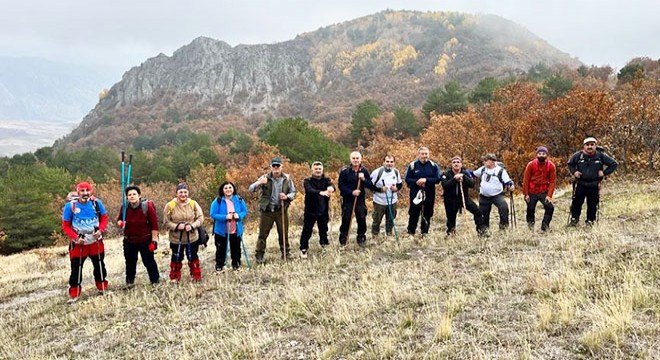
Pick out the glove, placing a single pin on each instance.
(121, 224)
(153, 246)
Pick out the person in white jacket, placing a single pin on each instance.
(494, 179)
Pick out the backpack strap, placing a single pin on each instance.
(499, 175)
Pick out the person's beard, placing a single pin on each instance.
(541, 159)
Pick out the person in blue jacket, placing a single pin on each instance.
(228, 211)
(421, 177)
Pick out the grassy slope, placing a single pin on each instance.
(578, 293)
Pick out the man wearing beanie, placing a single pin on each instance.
(538, 186)
(84, 220)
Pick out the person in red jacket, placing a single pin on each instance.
(539, 185)
(140, 234)
(84, 220)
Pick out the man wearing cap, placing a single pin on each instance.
(84, 220)
(454, 197)
(421, 177)
(494, 178)
(588, 167)
(277, 192)
(539, 185)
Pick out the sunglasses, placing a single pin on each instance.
(275, 165)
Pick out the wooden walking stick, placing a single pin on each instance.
(460, 186)
(285, 233)
(353, 210)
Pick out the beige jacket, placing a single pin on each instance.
(176, 212)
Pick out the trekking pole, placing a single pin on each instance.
(570, 208)
(227, 222)
(98, 253)
(353, 210)
(460, 186)
(391, 213)
(285, 231)
(245, 252)
(123, 187)
(178, 248)
(513, 210)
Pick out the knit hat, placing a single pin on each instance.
(457, 158)
(182, 186)
(542, 149)
(84, 185)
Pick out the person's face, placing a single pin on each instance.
(590, 147)
(423, 155)
(541, 156)
(228, 190)
(489, 163)
(133, 196)
(276, 169)
(456, 165)
(317, 170)
(388, 162)
(182, 194)
(84, 194)
(356, 159)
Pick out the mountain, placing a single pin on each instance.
(393, 57)
(38, 89)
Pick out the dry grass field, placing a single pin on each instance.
(569, 294)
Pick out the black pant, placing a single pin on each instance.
(178, 251)
(221, 250)
(485, 204)
(131, 251)
(308, 226)
(592, 195)
(360, 218)
(452, 207)
(413, 216)
(75, 279)
(547, 206)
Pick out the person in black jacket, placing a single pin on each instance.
(453, 197)
(422, 176)
(588, 167)
(318, 190)
(352, 194)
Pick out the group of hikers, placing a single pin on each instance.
(85, 219)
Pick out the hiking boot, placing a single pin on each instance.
(175, 271)
(74, 294)
(303, 254)
(219, 270)
(102, 286)
(195, 270)
(129, 286)
(260, 259)
(573, 222)
(589, 223)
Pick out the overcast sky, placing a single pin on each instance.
(124, 33)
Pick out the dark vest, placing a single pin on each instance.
(267, 190)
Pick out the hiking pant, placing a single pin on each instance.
(308, 226)
(266, 221)
(360, 219)
(131, 251)
(221, 250)
(379, 212)
(547, 206)
(593, 197)
(413, 216)
(179, 252)
(78, 254)
(453, 206)
(485, 204)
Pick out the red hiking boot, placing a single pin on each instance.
(195, 270)
(175, 271)
(102, 286)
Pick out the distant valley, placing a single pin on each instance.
(21, 136)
